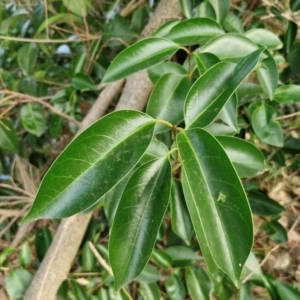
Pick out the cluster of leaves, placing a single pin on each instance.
(170, 176)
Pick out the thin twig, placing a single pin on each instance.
(16, 189)
(288, 116)
(104, 264)
(270, 252)
(48, 41)
(44, 103)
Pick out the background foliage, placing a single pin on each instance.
(48, 87)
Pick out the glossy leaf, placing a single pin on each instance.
(17, 283)
(161, 258)
(99, 154)
(205, 61)
(175, 288)
(219, 129)
(43, 239)
(268, 75)
(167, 100)
(198, 283)
(228, 113)
(182, 256)
(112, 198)
(194, 31)
(206, 10)
(163, 30)
(233, 24)
(286, 292)
(155, 150)
(149, 291)
(149, 274)
(187, 7)
(33, 119)
(82, 82)
(262, 205)
(181, 222)
(230, 47)
(139, 56)
(25, 255)
(263, 37)
(213, 191)
(88, 258)
(290, 35)
(265, 127)
(161, 69)
(138, 219)
(287, 94)
(221, 8)
(27, 56)
(247, 160)
(210, 92)
(8, 136)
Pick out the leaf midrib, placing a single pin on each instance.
(214, 206)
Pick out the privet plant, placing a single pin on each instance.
(180, 157)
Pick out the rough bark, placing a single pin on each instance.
(58, 260)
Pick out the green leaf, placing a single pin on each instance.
(247, 160)
(205, 61)
(263, 37)
(268, 75)
(167, 100)
(206, 10)
(67, 18)
(82, 82)
(286, 292)
(76, 7)
(88, 258)
(262, 205)
(112, 198)
(79, 291)
(182, 256)
(27, 56)
(210, 92)
(187, 7)
(149, 291)
(290, 35)
(33, 119)
(161, 69)
(181, 221)
(155, 150)
(115, 31)
(265, 127)
(230, 47)
(138, 219)
(219, 129)
(149, 274)
(216, 201)
(161, 258)
(175, 288)
(287, 94)
(244, 293)
(25, 255)
(233, 24)
(163, 30)
(252, 267)
(198, 283)
(139, 19)
(17, 283)
(99, 154)
(228, 113)
(139, 56)
(8, 136)
(194, 31)
(43, 239)
(221, 8)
